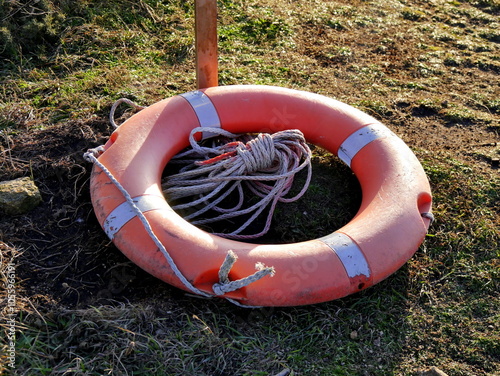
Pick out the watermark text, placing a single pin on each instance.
(11, 314)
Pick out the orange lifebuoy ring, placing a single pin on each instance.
(388, 228)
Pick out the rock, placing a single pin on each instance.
(433, 371)
(285, 372)
(19, 196)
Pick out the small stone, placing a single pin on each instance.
(19, 196)
(433, 371)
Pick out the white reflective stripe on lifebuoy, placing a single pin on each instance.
(349, 253)
(359, 139)
(124, 212)
(204, 109)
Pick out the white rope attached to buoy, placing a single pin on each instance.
(256, 162)
(115, 106)
(224, 285)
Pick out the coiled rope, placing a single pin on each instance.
(266, 165)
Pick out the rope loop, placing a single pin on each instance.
(115, 106)
(147, 226)
(224, 286)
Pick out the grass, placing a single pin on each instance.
(427, 69)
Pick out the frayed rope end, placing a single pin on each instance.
(225, 285)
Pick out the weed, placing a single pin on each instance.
(413, 15)
(457, 115)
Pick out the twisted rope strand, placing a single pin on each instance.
(91, 156)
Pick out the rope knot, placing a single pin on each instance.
(225, 285)
(258, 154)
(94, 153)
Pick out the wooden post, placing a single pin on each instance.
(206, 43)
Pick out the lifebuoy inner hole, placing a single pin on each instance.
(331, 201)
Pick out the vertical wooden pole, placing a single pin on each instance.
(206, 43)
